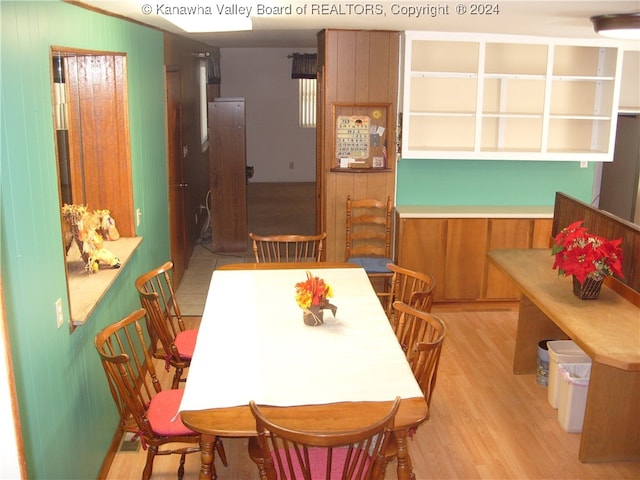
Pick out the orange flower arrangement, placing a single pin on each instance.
(585, 255)
(312, 296)
(313, 291)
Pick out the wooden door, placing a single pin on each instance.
(465, 258)
(422, 245)
(506, 233)
(177, 226)
(320, 175)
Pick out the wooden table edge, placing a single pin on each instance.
(287, 266)
(411, 413)
(611, 362)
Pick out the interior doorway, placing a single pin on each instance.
(175, 167)
(281, 208)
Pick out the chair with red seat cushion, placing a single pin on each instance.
(284, 453)
(165, 321)
(145, 409)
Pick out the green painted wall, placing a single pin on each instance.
(67, 414)
(499, 182)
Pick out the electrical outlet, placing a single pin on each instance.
(584, 164)
(59, 314)
(138, 216)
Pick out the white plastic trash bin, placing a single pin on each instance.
(561, 351)
(573, 394)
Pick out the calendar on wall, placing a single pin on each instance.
(352, 136)
(361, 134)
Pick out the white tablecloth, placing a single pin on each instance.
(253, 345)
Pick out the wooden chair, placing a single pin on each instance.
(165, 322)
(288, 248)
(416, 289)
(368, 238)
(421, 335)
(285, 453)
(145, 409)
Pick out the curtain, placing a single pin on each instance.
(304, 65)
(213, 69)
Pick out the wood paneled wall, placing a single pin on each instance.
(100, 164)
(355, 67)
(568, 210)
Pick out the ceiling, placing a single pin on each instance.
(542, 17)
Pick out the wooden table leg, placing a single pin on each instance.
(533, 326)
(208, 469)
(405, 469)
(611, 428)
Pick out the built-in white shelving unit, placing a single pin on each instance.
(509, 97)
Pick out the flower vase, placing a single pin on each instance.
(313, 316)
(589, 290)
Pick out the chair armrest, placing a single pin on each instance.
(422, 299)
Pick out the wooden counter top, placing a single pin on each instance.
(474, 211)
(607, 329)
(87, 290)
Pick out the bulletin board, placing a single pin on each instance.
(362, 137)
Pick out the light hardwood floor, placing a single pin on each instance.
(486, 423)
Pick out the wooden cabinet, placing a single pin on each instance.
(464, 258)
(506, 233)
(227, 153)
(454, 250)
(492, 97)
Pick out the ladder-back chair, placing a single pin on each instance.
(368, 238)
(288, 248)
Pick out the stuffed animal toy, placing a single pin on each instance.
(87, 229)
(108, 228)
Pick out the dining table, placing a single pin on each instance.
(253, 345)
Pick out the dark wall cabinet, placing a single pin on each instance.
(227, 156)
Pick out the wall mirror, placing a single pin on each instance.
(90, 118)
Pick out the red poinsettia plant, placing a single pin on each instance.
(586, 255)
